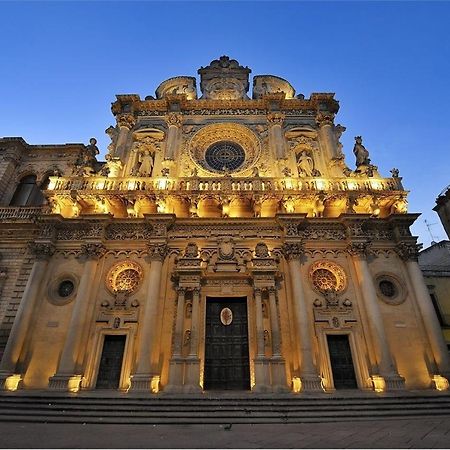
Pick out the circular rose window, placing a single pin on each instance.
(390, 289)
(225, 156)
(124, 277)
(326, 276)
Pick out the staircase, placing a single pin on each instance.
(115, 408)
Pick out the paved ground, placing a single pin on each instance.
(403, 433)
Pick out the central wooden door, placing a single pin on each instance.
(226, 344)
(111, 362)
(341, 361)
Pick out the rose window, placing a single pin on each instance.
(124, 277)
(327, 276)
(225, 155)
(324, 280)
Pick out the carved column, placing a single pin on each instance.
(68, 375)
(145, 373)
(385, 363)
(177, 361)
(10, 159)
(9, 379)
(126, 123)
(276, 137)
(262, 364)
(326, 134)
(174, 121)
(310, 380)
(409, 254)
(192, 382)
(277, 362)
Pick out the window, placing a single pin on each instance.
(437, 309)
(28, 193)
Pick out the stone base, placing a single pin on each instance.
(278, 371)
(393, 382)
(69, 383)
(262, 375)
(145, 383)
(176, 375)
(10, 381)
(310, 383)
(192, 375)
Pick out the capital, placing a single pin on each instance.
(93, 250)
(42, 251)
(174, 119)
(126, 121)
(361, 249)
(324, 118)
(157, 252)
(275, 118)
(292, 250)
(408, 251)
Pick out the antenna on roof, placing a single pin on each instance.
(429, 225)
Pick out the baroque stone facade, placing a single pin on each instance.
(224, 243)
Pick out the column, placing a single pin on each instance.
(177, 361)
(262, 365)
(9, 379)
(387, 371)
(276, 138)
(68, 375)
(310, 380)
(126, 123)
(145, 373)
(277, 363)
(326, 134)
(174, 121)
(430, 320)
(192, 382)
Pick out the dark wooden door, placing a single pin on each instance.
(226, 347)
(111, 362)
(341, 361)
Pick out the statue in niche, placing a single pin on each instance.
(305, 164)
(361, 153)
(146, 159)
(338, 130)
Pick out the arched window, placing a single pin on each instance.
(28, 193)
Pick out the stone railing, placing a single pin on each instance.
(258, 184)
(19, 212)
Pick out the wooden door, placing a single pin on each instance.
(111, 362)
(341, 361)
(226, 344)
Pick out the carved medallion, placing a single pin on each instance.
(226, 316)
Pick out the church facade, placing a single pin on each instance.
(224, 244)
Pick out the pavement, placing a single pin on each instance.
(427, 432)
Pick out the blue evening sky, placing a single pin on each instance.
(388, 63)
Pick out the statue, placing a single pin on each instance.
(361, 153)
(287, 172)
(395, 172)
(338, 130)
(400, 206)
(113, 166)
(146, 163)
(255, 172)
(305, 164)
(113, 134)
(85, 163)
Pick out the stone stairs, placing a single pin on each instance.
(115, 408)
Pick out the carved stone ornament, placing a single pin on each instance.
(324, 118)
(275, 118)
(292, 250)
(327, 276)
(226, 249)
(157, 252)
(408, 251)
(174, 119)
(93, 250)
(178, 86)
(129, 231)
(261, 250)
(42, 251)
(191, 250)
(226, 316)
(126, 121)
(361, 249)
(124, 277)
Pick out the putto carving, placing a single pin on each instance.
(292, 250)
(361, 249)
(261, 250)
(92, 250)
(41, 250)
(157, 252)
(113, 134)
(126, 121)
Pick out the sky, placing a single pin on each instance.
(63, 62)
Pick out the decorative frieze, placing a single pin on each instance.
(130, 231)
(92, 250)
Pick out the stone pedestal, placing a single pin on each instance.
(262, 375)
